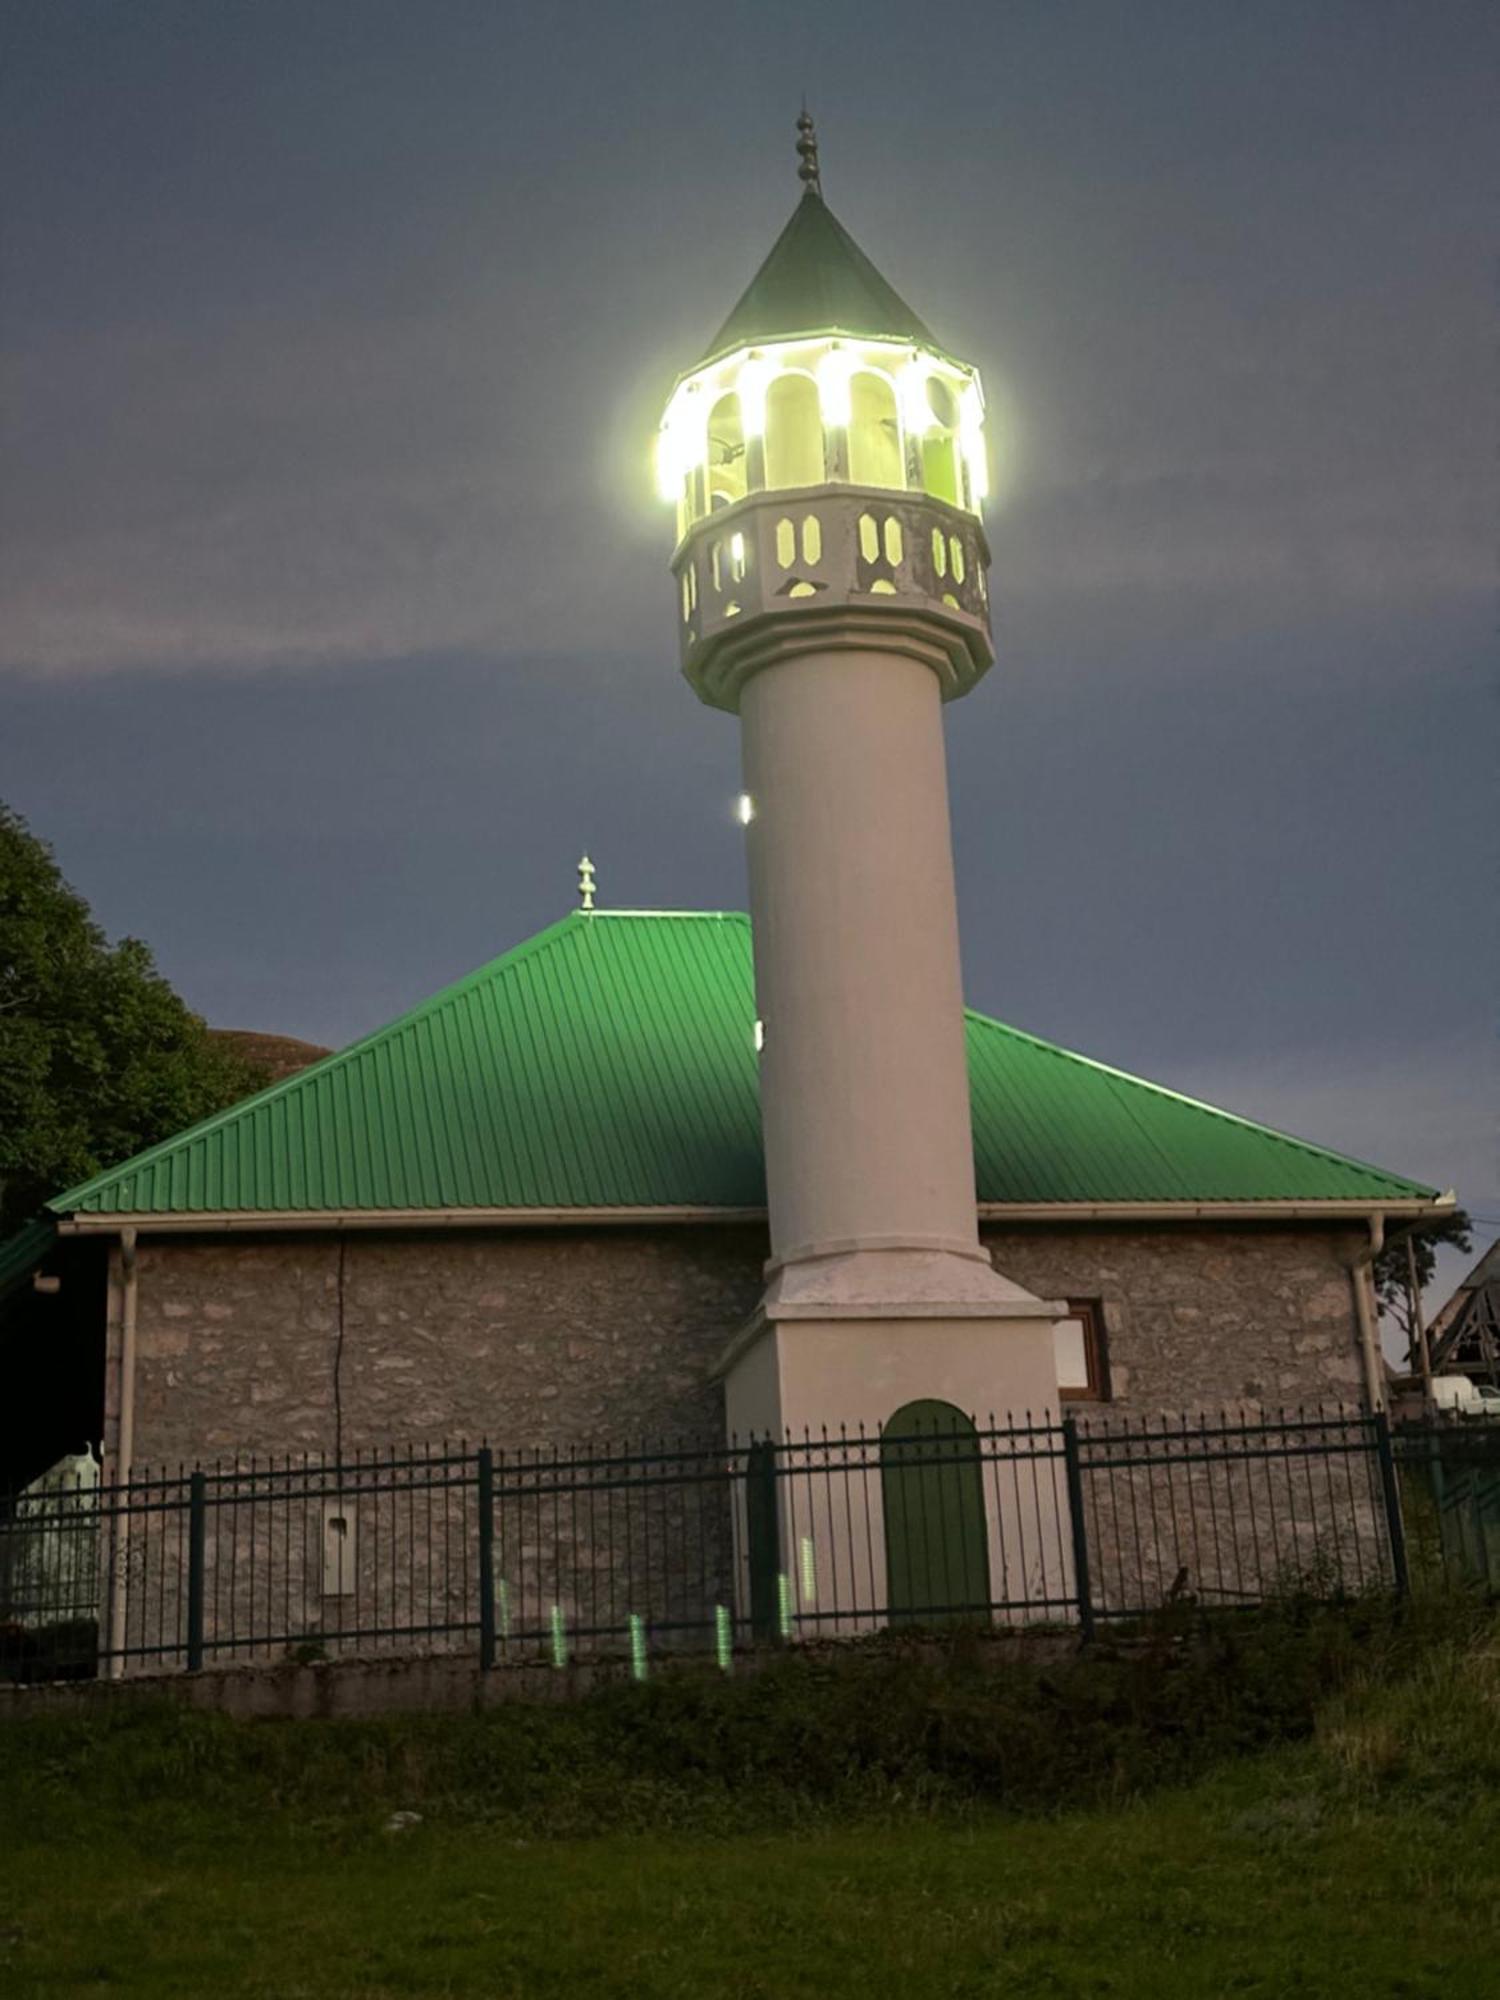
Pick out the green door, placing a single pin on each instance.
(932, 1493)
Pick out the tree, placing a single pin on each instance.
(1392, 1278)
(98, 1056)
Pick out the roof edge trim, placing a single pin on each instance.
(250, 1221)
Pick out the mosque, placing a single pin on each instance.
(701, 1173)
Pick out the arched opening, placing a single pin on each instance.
(932, 1497)
(875, 457)
(794, 433)
(726, 454)
(941, 471)
(940, 468)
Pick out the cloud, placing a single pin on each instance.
(325, 480)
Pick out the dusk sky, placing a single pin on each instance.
(335, 617)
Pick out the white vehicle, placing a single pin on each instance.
(1456, 1393)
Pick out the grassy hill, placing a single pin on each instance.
(756, 1839)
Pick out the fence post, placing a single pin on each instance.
(763, 1539)
(486, 1558)
(1073, 1471)
(197, 1523)
(1395, 1525)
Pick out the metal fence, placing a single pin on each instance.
(1449, 1476)
(554, 1554)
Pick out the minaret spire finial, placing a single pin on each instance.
(585, 884)
(807, 153)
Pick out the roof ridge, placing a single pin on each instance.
(706, 916)
(1193, 1103)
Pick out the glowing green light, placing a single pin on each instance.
(835, 369)
(723, 1636)
(559, 1638)
(754, 377)
(784, 1603)
(809, 1579)
(637, 1647)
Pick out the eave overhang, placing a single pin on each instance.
(277, 1222)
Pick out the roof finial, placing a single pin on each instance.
(585, 884)
(807, 153)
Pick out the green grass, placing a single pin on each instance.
(155, 1853)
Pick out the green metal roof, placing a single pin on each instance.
(609, 1062)
(816, 279)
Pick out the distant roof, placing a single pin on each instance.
(816, 279)
(1466, 1334)
(1487, 1271)
(609, 1062)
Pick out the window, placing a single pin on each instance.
(1082, 1361)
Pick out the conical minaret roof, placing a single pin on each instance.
(816, 279)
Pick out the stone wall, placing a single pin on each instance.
(567, 1337)
(558, 1336)
(525, 1337)
(1204, 1317)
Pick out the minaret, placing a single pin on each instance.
(827, 462)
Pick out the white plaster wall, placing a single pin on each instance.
(752, 1393)
(839, 1383)
(857, 1371)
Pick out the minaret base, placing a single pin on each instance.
(850, 1338)
(886, 1420)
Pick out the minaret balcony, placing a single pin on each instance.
(790, 562)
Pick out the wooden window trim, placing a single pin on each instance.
(1096, 1353)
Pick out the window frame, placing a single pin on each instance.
(1096, 1354)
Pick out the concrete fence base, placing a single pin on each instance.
(450, 1683)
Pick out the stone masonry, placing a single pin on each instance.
(560, 1336)
(1205, 1317)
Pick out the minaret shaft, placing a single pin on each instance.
(864, 1083)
